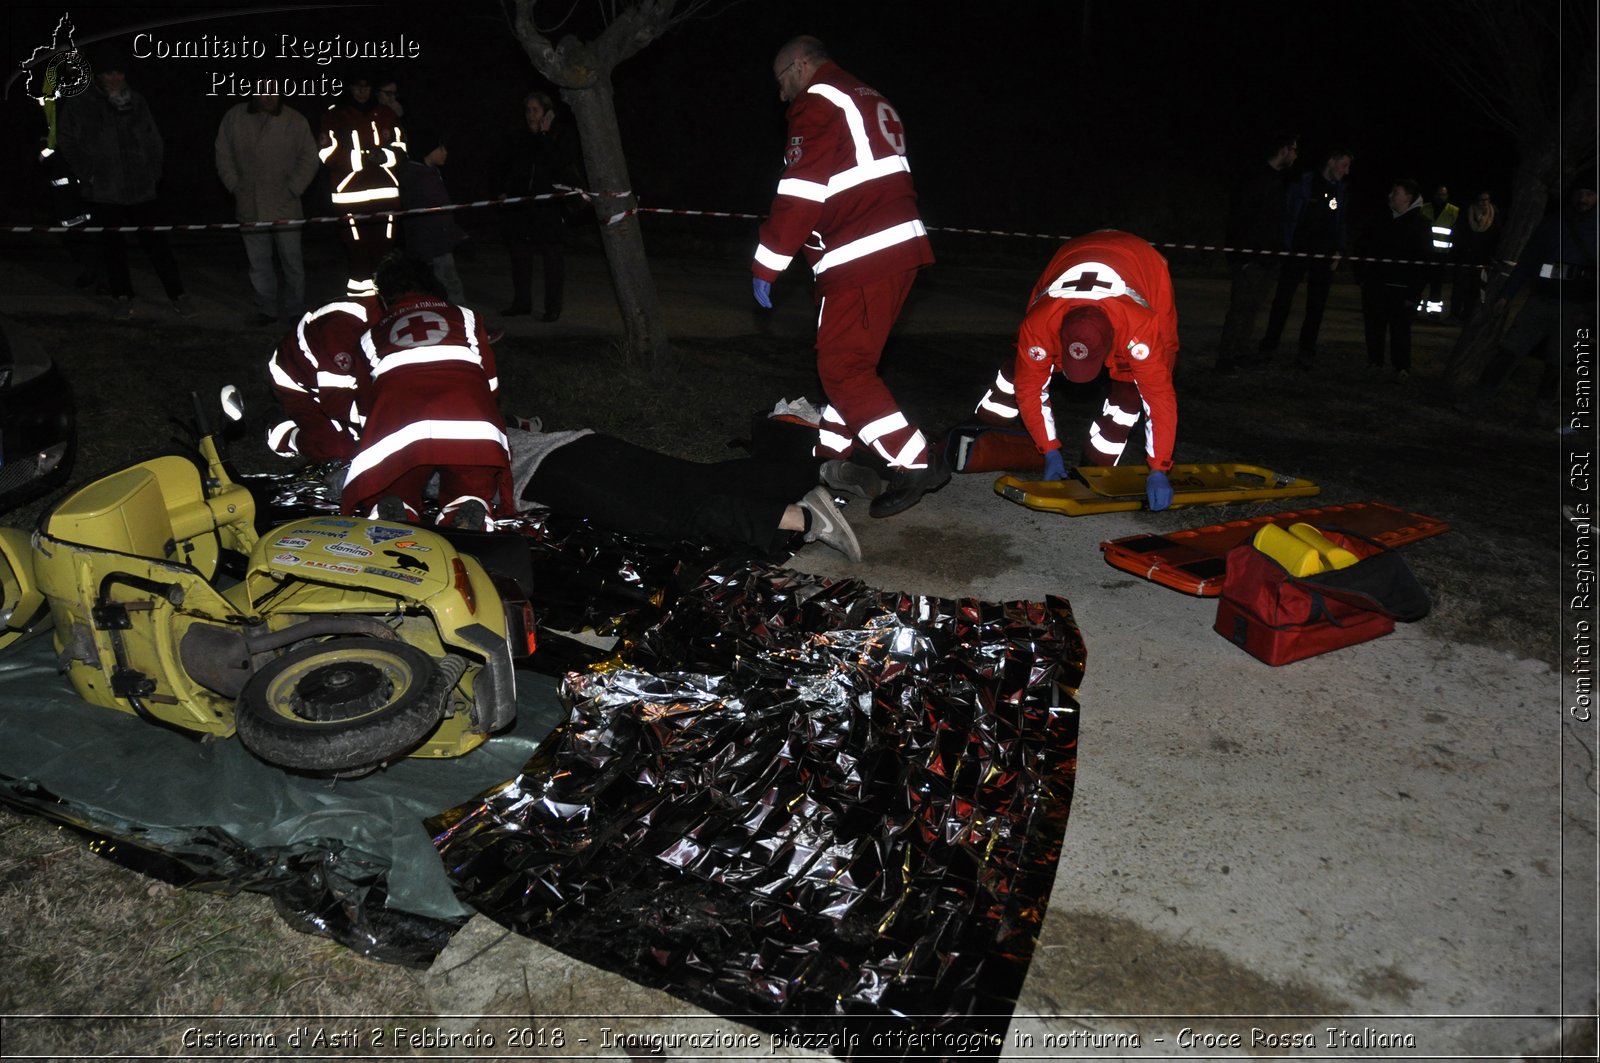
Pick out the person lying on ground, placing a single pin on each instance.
(751, 502)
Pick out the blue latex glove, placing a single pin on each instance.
(1054, 467)
(763, 291)
(1157, 490)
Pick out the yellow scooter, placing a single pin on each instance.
(331, 644)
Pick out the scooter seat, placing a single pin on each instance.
(129, 511)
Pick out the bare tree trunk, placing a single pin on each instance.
(1480, 337)
(1548, 163)
(582, 69)
(595, 111)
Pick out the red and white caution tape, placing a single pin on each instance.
(618, 217)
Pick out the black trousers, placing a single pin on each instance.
(114, 251)
(1386, 312)
(636, 491)
(1248, 293)
(545, 241)
(1318, 275)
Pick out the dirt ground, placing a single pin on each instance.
(89, 937)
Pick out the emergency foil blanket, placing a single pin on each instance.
(802, 802)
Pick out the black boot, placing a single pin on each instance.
(907, 486)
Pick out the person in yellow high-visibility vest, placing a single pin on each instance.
(1441, 215)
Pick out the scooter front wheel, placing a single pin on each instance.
(343, 705)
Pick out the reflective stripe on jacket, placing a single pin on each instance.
(845, 200)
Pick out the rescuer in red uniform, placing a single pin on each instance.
(847, 203)
(431, 408)
(362, 147)
(317, 371)
(1104, 300)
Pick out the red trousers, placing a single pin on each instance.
(852, 327)
(457, 483)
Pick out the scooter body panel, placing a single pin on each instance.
(24, 610)
(128, 569)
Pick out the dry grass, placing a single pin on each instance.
(84, 937)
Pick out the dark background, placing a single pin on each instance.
(1053, 118)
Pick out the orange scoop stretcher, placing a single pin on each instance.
(1195, 560)
(1119, 488)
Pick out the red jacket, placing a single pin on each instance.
(846, 198)
(1128, 279)
(363, 151)
(432, 400)
(317, 371)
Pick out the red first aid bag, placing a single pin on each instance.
(985, 448)
(1278, 618)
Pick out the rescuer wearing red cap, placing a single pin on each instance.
(1104, 300)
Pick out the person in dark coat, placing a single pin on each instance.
(431, 238)
(1257, 215)
(1477, 233)
(1401, 240)
(1315, 230)
(110, 140)
(539, 157)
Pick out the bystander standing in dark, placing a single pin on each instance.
(1256, 215)
(110, 139)
(539, 157)
(1315, 232)
(1391, 266)
(267, 157)
(1476, 234)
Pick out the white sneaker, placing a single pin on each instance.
(828, 525)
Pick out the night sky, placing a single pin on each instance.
(1032, 116)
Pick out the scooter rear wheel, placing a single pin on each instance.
(342, 705)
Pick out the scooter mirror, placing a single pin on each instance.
(232, 402)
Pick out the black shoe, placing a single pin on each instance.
(550, 316)
(852, 477)
(260, 320)
(907, 486)
(390, 507)
(495, 335)
(471, 516)
(516, 311)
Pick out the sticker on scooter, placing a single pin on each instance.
(377, 533)
(293, 542)
(373, 570)
(286, 559)
(345, 567)
(348, 550)
(412, 544)
(408, 564)
(333, 523)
